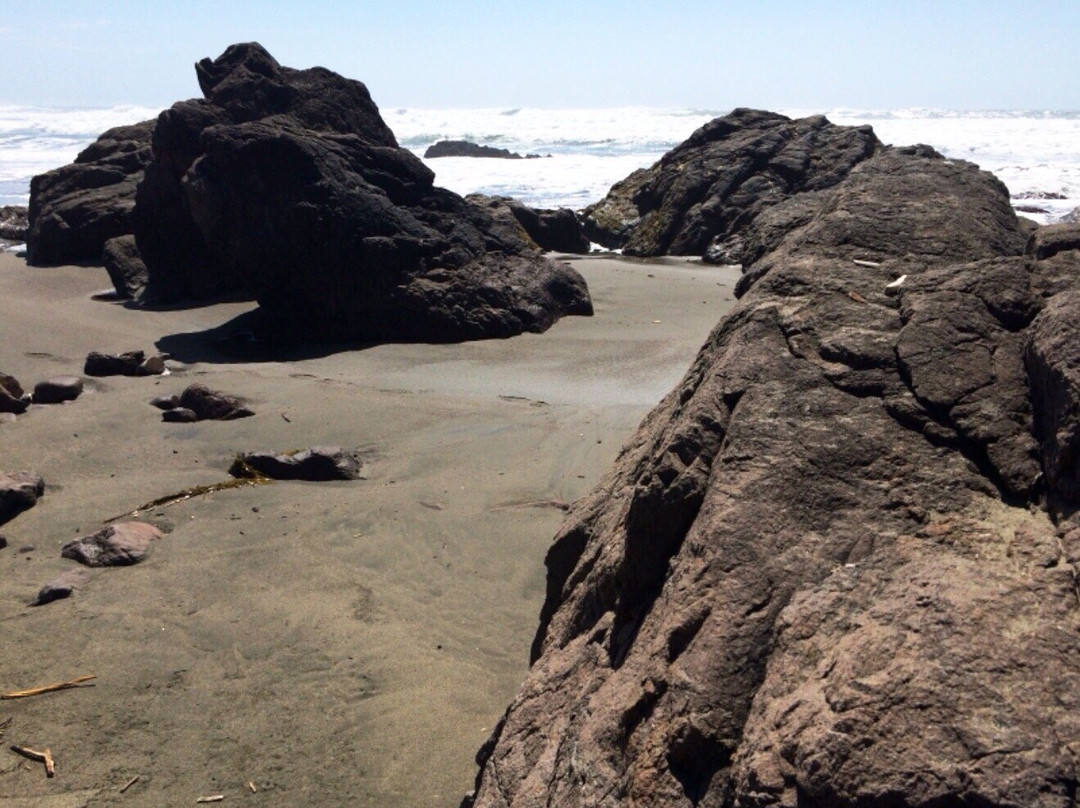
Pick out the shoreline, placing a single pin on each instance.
(333, 643)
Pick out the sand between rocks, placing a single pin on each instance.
(331, 643)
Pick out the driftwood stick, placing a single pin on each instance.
(215, 798)
(130, 783)
(35, 691)
(44, 756)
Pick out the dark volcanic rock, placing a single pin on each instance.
(58, 389)
(74, 210)
(179, 415)
(19, 490)
(118, 545)
(1053, 238)
(551, 230)
(210, 404)
(464, 148)
(12, 396)
(317, 464)
(287, 184)
(826, 571)
(13, 223)
(125, 266)
(713, 185)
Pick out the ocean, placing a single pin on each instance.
(1036, 153)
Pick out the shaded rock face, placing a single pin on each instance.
(19, 490)
(701, 194)
(125, 266)
(58, 389)
(287, 184)
(13, 398)
(75, 209)
(551, 230)
(13, 223)
(832, 566)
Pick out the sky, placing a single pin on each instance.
(955, 54)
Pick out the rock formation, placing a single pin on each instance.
(19, 490)
(75, 209)
(125, 266)
(701, 194)
(13, 399)
(837, 565)
(13, 223)
(317, 464)
(465, 148)
(551, 230)
(119, 545)
(288, 184)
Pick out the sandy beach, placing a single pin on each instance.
(327, 643)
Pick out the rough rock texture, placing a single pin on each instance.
(701, 194)
(210, 404)
(288, 184)
(1052, 239)
(125, 266)
(129, 363)
(19, 490)
(63, 586)
(13, 223)
(465, 148)
(118, 545)
(557, 230)
(317, 464)
(179, 415)
(836, 566)
(13, 398)
(75, 209)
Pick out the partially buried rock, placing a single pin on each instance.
(113, 546)
(58, 389)
(19, 490)
(13, 398)
(179, 415)
(213, 405)
(166, 402)
(129, 363)
(61, 587)
(317, 464)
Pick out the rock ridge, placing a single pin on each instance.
(836, 566)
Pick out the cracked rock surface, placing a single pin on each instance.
(836, 565)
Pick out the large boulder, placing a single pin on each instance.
(832, 567)
(75, 209)
(125, 266)
(287, 184)
(702, 193)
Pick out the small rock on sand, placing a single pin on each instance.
(212, 404)
(113, 546)
(317, 464)
(61, 587)
(58, 389)
(179, 415)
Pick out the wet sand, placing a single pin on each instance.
(330, 643)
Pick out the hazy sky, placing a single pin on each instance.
(972, 54)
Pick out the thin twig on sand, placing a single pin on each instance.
(34, 691)
(44, 756)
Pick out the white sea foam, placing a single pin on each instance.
(1033, 152)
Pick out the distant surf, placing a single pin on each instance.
(1033, 152)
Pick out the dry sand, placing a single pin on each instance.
(334, 643)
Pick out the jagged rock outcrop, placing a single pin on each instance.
(288, 184)
(75, 209)
(701, 194)
(465, 148)
(557, 230)
(836, 566)
(13, 223)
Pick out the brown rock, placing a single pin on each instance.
(211, 404)
(166, 402)
(102, 364)
(179, 415)
(823, 572)
(125, 266)
(19, 490)
(117, 545)
(58, 389)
